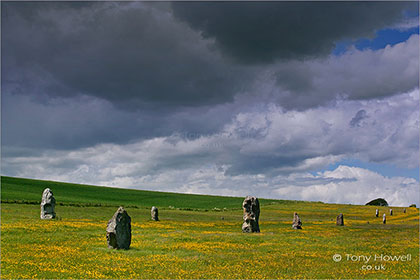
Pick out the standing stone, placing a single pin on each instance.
(405, 211)
(384, 219)
(154, 213)
(390, 212)
(47, 205)
(377, 213)
(118, 231)
(340, 220)
(251, 207)
(297, 224)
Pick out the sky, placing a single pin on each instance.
(314, 101)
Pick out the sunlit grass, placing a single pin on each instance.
(199, 244)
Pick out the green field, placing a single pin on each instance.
(28, 191)
(194, 240)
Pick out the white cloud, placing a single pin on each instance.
(406, 24)
(263, 151)
(387, 134)
(362, 186)
(354, 75)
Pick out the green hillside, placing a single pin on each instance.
(27, 190)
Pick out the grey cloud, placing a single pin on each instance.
(354, 75)
(323, 180)
(80, 74)
(273, 164)
(64, 123)
(407, 24)
(72, 72)
(389, 135)
(139, 55)
(293, 141)
(260, 32)
(287, 141)
(358, 118)
(252, 164)
(71, 123)
(131, 54)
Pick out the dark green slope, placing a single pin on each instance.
(29, 190)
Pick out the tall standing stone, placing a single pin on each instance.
(251, 207)
(297, 224)
(390, 212)
(154, 213)
(118, 231)
(377, 213)
(47, 205)
(405, 211)
(340, 220)
(384, 219)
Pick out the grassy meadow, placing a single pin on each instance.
(198, 237)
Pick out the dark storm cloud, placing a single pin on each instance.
(358, 118)
(128, 53)
(138, 55)
(354, 75)
(79, 74)
(259, 32)
(85, 121)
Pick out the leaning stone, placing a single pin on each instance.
(377, 213)
(118, 231)
(297, 224)
(384, 219)
(390, 212)
(47, 205)
(251, 208)
(154, 213)
(340, 220)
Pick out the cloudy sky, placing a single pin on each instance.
(291, 100)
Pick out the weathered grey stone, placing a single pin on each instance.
(405, 211)
(154, 213)
(340, 220)
(377, 213)
(251, 207)
(390, 212)
(384, 219)
(297, 224)
(118, 230)
(47, 205)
